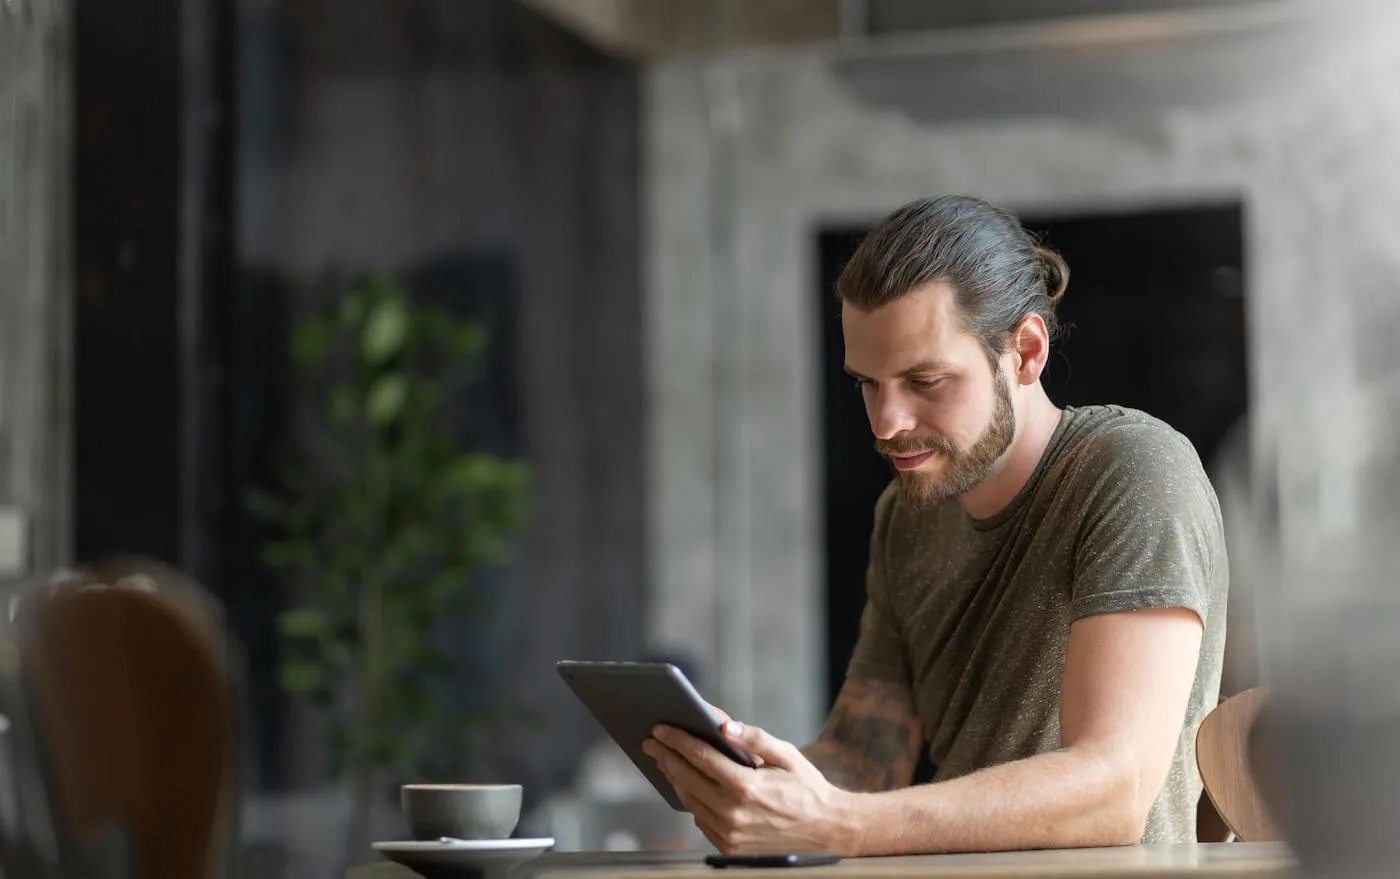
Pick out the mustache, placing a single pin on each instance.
(915, 445)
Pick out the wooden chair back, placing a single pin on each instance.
(132, 698)
(1223, 757)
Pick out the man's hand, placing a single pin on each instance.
(786, 805)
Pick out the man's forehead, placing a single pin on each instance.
(920, 328)
(928, 307)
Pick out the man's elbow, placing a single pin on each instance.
(1126, 825)
(1131, 808)
(1125, 807)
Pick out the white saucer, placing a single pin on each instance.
(464, 855)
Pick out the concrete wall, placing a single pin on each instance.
(749, 156)
(35, 242)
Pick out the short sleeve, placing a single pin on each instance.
(1151, 533)
(880, 652)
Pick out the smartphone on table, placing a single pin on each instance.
(796, 859)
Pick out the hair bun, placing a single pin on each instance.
(1055, 271)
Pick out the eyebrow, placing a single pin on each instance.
(921, 366)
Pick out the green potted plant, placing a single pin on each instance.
(381, 527)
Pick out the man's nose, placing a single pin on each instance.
(889, 415)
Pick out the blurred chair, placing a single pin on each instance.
(126, 688)
(1223, 757)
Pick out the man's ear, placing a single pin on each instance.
(1030, 347)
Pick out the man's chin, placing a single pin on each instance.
(921, 489)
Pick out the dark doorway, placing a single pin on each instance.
(128, 410)
(1155, 321)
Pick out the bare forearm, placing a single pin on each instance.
(849, 768)
(1063, 799)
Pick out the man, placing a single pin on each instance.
(1046, 589)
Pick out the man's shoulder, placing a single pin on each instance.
(1110, 438)
(1124, 462)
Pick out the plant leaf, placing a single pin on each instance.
(300, 677)
(310, 341)
(469, 340)
(351, 309)
(264, 506)
(287, 554)
(305, 622)
(386, 397)
(340, 406)
(385, 330)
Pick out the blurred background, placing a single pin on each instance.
(560, 273)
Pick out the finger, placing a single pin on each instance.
(701, 755)
(713, 838)
(719, 713)
(688, 802)
(762, 746)
(723, 719)
(713, 829)
(684, 777)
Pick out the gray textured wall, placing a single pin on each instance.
(748, 156)
(35, 242)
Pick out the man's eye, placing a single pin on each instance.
(863, 383)
(926, 382)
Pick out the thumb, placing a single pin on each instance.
(766, 749)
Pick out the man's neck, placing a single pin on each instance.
(1035, 426)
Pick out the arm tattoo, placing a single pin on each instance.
(872, 738)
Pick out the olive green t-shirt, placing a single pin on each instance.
(974, 615)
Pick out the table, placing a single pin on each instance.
(1235, 860)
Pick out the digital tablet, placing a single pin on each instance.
(628, 699)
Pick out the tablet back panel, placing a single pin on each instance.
(628, 699)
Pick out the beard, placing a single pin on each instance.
(963, 470)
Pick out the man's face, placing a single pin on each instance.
(940, 413)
